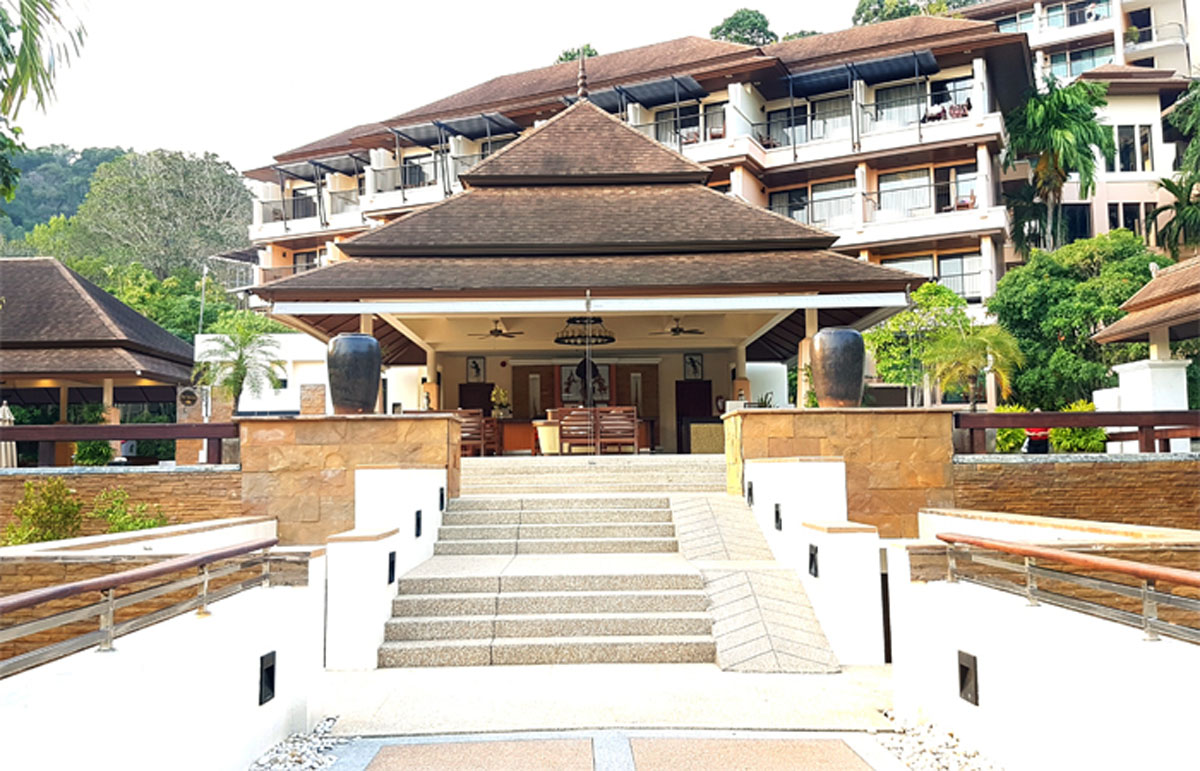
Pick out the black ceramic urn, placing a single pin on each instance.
(838, 365)
(354, 365)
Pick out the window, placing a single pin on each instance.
(1089, 59)
(1056, 16)
(830, 117)
(787, 126)
(1147, 62)
(1022, 22)
(1086, 12)
(1078, 217)
(677, 125)
(791, 203)
(714, 120)
(954, 91)
(1140, 20)
(954, 187)
(1059, 66)
(833, 204)
(1135, 150)
(897, 106)
(961, 274)
(1131, 216)
(920, 265)
(489, 146)
(904, 194)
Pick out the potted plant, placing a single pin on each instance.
(1132, 35)
(501, 406)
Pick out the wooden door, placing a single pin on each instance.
(693, 399)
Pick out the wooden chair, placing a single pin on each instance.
(491, 437)
(576, 428)
(616, 427)
(472, 431)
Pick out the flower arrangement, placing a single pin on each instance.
(500, 398)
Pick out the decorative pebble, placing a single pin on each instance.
(302, 752)
(928, 747)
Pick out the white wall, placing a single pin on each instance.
(806, 489)
(182, 694)
(1057, 689)
(768, 377)
(173, 539)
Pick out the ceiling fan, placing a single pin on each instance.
(495, 331)
(678, 329)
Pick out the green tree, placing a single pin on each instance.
(54, 181)
(873, 11)
(1057, 301)
(166, 210)
(36, 37)
(745, 26)
(898, 345)
(1186, 117)
(1028, 219)
(800, 34)
(962, 354)
(243, 358)
(1182, 227)
(571, 54)
(1058, 128)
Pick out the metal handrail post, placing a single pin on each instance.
(951, 565)
(1030, 582)
(1149, 609)
(203, 610)
(106, 622)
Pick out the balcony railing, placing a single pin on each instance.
(292, 208)
(687, 130)
(920, 200)
(966, 285)
(461, 164)
(414, 173)
(1172, 32)
(283, 271)
(891, 114)
(342, 201)
(832, 213)
(784, 132)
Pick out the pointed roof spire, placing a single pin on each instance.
(582, 91)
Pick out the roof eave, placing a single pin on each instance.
(360, 249)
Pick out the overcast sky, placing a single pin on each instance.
(247, 79)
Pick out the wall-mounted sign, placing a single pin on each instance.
(188, 397)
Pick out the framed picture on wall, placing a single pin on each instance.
(574, 384)
(476, 369)
(693, 366)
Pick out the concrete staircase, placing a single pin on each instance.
(608, 474)
(558, 561)
(541, 615)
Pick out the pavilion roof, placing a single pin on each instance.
(1170, 299)
(55, 322)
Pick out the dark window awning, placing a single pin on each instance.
(309, 171)
(434, 133)
(652, 93)
(870, 71)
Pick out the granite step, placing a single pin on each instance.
(581, 530)
(554, 516)
(615, 582)
(609, 650)
(623, 545)
(524, 502)
(602, 624)
(435, 653)
(616, 487)
(645, 601)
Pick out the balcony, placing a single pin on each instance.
(832, 213)
(1154, 37)
(306, 214)
(274, 273)
(923, 200)
(424, 180)
(703, 137)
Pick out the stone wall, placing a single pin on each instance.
(1162, 491)
(300, 470)
(190, 494)
(897, 460)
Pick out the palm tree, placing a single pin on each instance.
(1028, 215)
(1057, 127)
(241, 359)
(1183, 228)
(961, 355)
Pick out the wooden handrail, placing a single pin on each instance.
(1148, 424)
(103, 583)
(60, 432)
(1125, 567)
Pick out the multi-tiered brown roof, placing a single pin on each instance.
(1171, 299)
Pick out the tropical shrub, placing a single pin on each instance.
(1078, 439)
(112, 505)
(1010, 439)
(48, 511)
(93, 453)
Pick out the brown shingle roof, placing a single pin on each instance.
(342, 141)
(1172, 298)
(559, 79)
(990, 9)
(582, 145)
(98, 362)
(911, 32)
(49, 307)
(592, 219)
(427, 276)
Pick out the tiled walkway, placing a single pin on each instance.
(762, 619)
(619, 751)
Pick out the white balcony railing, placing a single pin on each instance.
(1162, 34)
(342, 201)
(921, 200)
(296, 207)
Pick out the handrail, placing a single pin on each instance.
(104, 583)
(62, 432)
(1109, 564)
(1144, 421)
